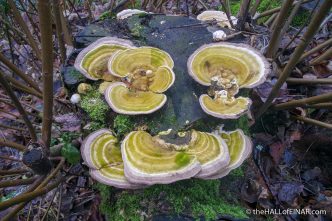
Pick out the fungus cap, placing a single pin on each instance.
(220, 109)
(248, 65)
(124, 101)
(146, 162)
(126, 13)
(125, 62)
(240, 148)
(101, 153)
(92, 60)
(218, 16)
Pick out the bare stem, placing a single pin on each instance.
(18, 72)
(19, 107)
(20, 182)
(57, 18)
(308, 35)
(305, 101)
(10, 158)
(227, 11)
(276, 34)
(316, 49)
(243, 14)
(10, 172)
(45, 23)
(309, 81)
(325, 56)
(313, 122)
(18, 18)
(254, 7)
(11, 144)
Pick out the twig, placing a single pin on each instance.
(49, 206)
(276, 34)
(18, 18)
(308, 35)
(59, 205)
(58, 26)
(291, 17)
(325, 56)
(313, 121)
(305, 101)
(19, 72)
(45, 23)
(75, 10)
(243, 14)
(203, 4)
(11, 144)
(20, 182)
(226, 7)
(275, 10)
(19, 107)
(316, 49)
(11, 172)
(254, 8)
(309, 81)
(10, 158)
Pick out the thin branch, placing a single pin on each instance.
(291, 17)
(18, 18)
(254, 8)
(11, 144)
(316, 49)
(11, 172)
(243, 14)
(12, 127)
(325, 56)
(276, 10)
(19, 72)
(10, 158)
(308, 35)
(45, 23)
(20, 182)
(276, 34)
(19, 107)
(57, 18)
(309, 81)
(305, 101)
(225, 6)
(313, 122)
(30, 195)
(66, 31)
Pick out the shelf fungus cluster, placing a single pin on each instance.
(146, 73)
(139, 75)
(217, 16)
(225, 68)
(142, 160)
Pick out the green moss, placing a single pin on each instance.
(301, 18)
(243, 124)
(123, 124)
(136, 30)
(95, 106)
(193, 197)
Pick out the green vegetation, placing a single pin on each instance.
(95, 106)
(191, 197)
(123, 124)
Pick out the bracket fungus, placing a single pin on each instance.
(239, 147)
(226, 68)
(218, 16)
(165, 158)
(146, 73)
(92, 60)
(101, 153)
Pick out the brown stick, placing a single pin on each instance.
(313, 122)
(254, 8)
(68, 38)
(276, 34)
(10, 172)
(57, 18)
(305, 101)
(316, 49)
(309, 81)
(20, 182)
(30, 195)
(42, 184)
(227, 11)
(32, 23)
(276, 10)
(11, 144)
(19, 107)
(291, 17)
(243, 14)
(321, 105)
(47, 68)
(10, 158)
(18, 18)
(12, 127)
(325, 56)
(18, 85)
(308, 35)
(19, 72)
